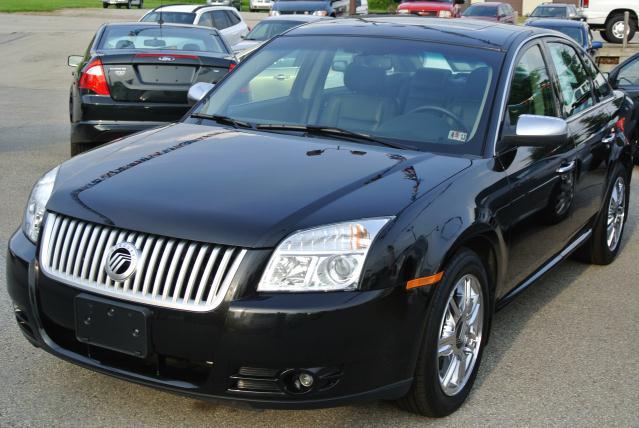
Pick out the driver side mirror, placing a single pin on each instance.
(537, 131)
(198, 91)
(597, 44)
(74, 60)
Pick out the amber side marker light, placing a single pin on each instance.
(424, 280)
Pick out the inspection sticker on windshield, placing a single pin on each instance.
(457, 136)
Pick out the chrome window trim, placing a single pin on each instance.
(506, 87)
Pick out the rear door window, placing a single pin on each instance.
(574, 82)
(220, 20)
(206, 20)
(232, 17)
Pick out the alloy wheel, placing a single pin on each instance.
(616, 213)
(618, 29)
(460, 335)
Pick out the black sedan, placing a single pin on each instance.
(136, 76)
(336, 221)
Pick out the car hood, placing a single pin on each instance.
(426, 6)
(241, 188)
(246, 44)
(297, 6)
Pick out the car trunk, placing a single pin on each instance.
(160, 77)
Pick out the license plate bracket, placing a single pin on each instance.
(112, 325)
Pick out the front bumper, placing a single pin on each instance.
(364, 340)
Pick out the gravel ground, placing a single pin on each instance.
(564, 353)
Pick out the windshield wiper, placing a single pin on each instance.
(330, 132)
(224, 120)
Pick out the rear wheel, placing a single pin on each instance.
(615, 27)
(128, 4)
(604, 245)
(456, 330)
(105, 5)
(140, 4)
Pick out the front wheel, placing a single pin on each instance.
(602, 248)
(105, 5)
(457, 327)
(615, 28)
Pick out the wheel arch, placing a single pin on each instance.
(620, 11)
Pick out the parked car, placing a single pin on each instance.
(255, 5)
(625, 77)
(331, 8)
(577, 30)
(557, 11)
(271, 27)
(136, 76)
(438, 8)
(607, 16)
(119, 3)
(491, 11)
(237, 4)
(341, 234)
(227, 20)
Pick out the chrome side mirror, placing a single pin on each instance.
(538, 131)
(74, 60)
(198, 91)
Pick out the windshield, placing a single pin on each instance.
(549, 12)
(266, 30)
(170, 17)
(573, 32)
(432, 97)
(161, 37)
(481, 11)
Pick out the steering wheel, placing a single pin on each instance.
(444, 112)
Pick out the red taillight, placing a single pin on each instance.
(586, 3)
(93, 78)
(621, 124)
(232, 66)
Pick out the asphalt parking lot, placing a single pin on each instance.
(564, 353)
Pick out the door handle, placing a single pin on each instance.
(566, 167)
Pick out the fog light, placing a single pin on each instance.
(306, 380)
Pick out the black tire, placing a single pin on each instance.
(140, 4)
(426, 396)
(604, 36)
(105, 5)
(119, 6)
(128, 4)
(77, 148)
(614, 20)
(596, 249)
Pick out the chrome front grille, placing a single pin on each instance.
(172, 273)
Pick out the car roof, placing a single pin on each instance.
(554, 23)
(488, 3)
(555, 4)
(190, 8)
(466, 32)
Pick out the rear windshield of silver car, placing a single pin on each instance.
(170, 17)
(422, 95)
(161, 38)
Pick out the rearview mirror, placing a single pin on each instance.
(198, 91)
(339, 66)
(537, 131)
(74, 60)
(597, 44)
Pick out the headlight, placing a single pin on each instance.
(403, 11)
(274, 13)
(320, 13)
(38, 199)
(444, 14)
(327, 258)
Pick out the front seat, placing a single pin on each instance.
(191, 47)
(363, 109)
(428, 87)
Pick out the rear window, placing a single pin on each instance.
(170, 17)
(481, 11)
(549, 12)
(161, 38)
(266, 30)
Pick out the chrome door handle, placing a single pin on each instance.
(566, 167)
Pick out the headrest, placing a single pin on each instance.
(360, 78)
(124, 44)
(191, 47)
(430, 78)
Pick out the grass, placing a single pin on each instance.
(49, 5)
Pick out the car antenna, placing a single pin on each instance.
(161, 21)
